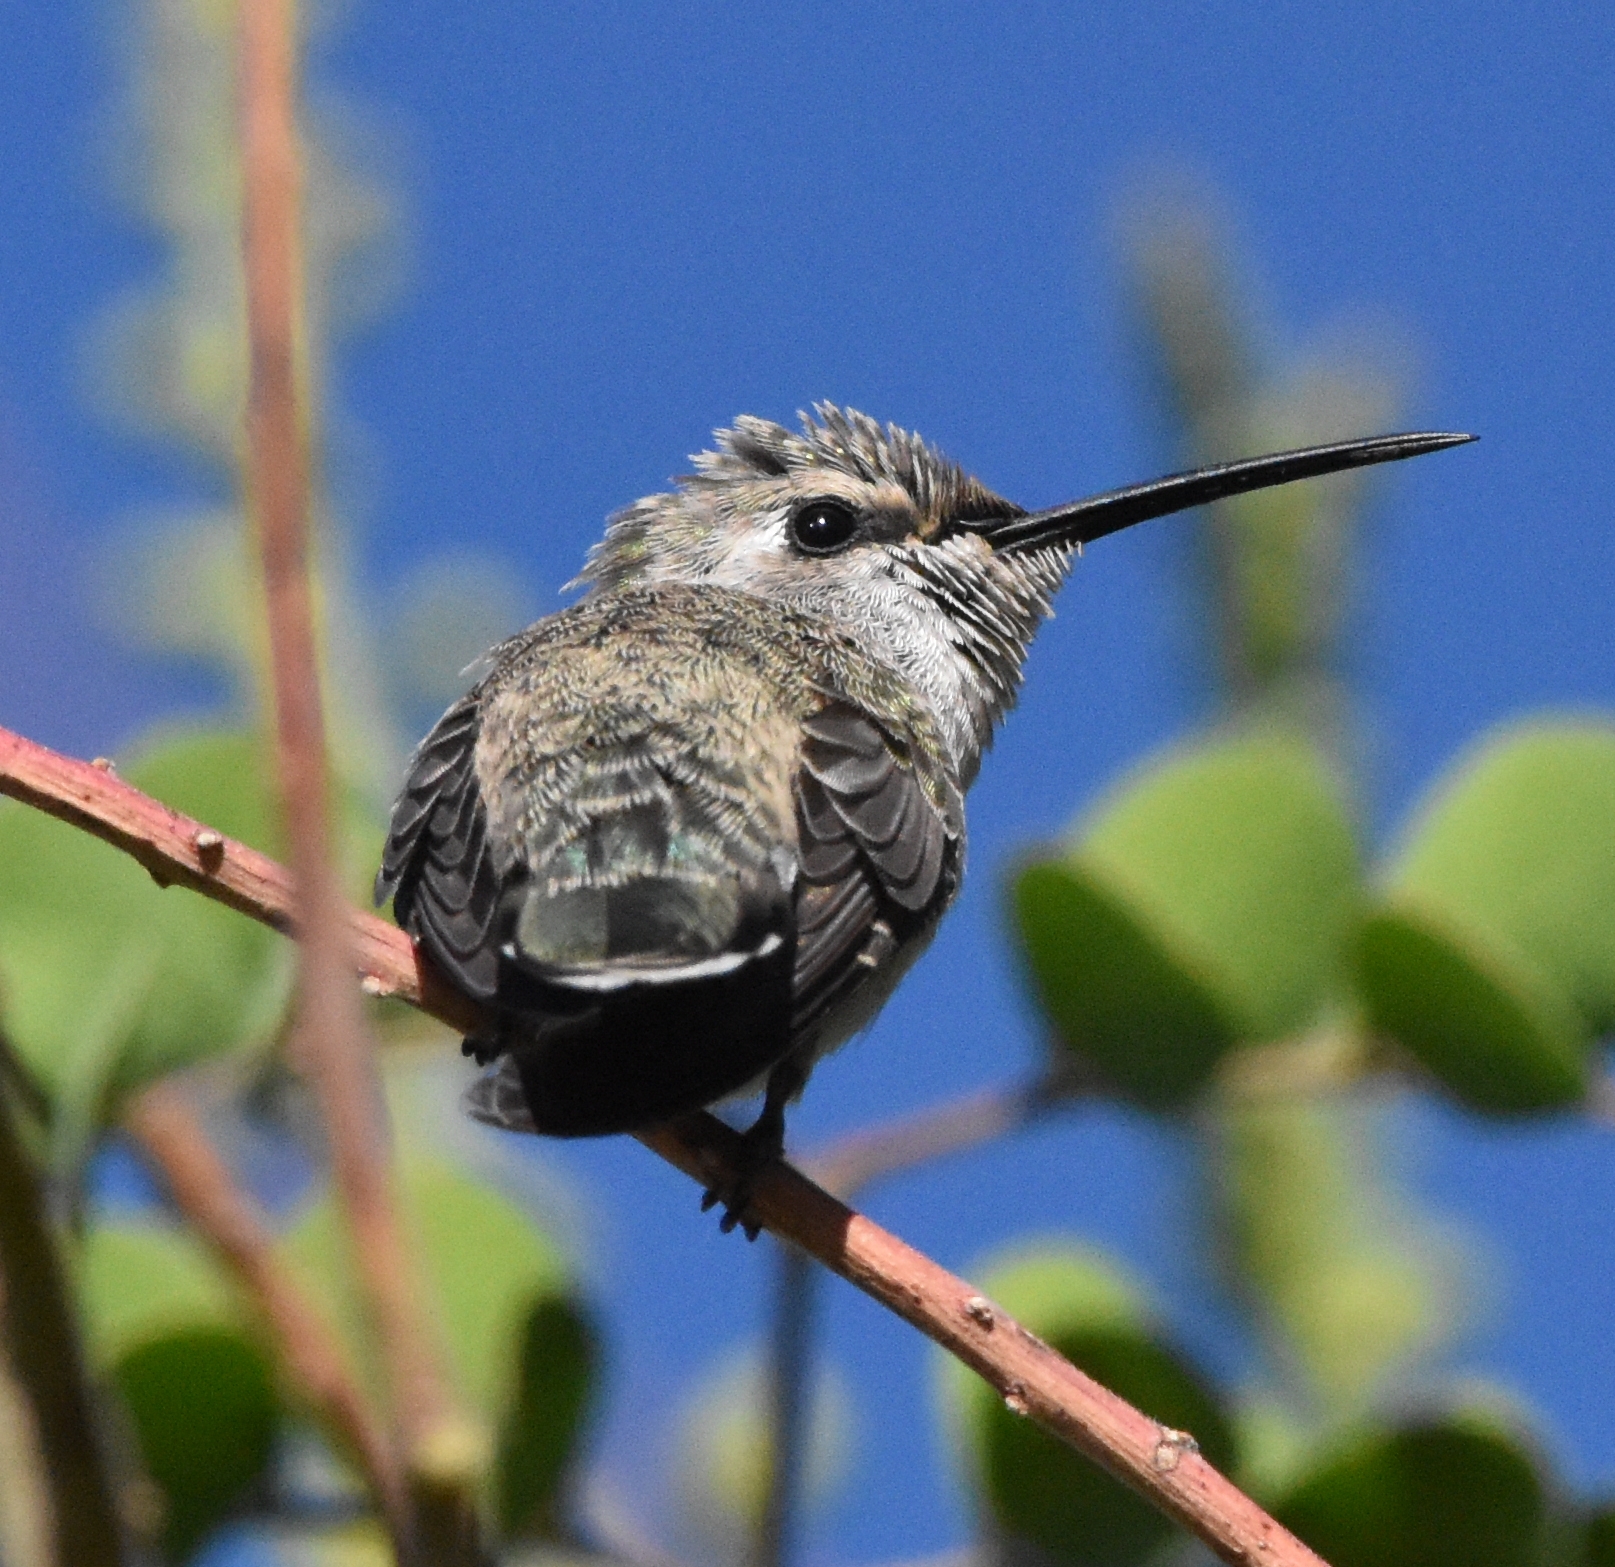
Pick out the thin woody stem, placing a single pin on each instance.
(844, 1169)
(330, 1042)
(876, 1152)
(203, 1187)
(47, 1359)
(789, 1417)
(1161, 1465)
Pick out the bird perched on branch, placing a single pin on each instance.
(687, 835)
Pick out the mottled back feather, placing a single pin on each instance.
(707, 850)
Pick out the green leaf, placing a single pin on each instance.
(1038, 1489)
(108, 980)
(78, 949)
(555, 1370)
(1597, 1538)
(1520, 844)
(1447, 1493)
(1355, 1282)
(521, 1350)
(141, 1281)
(164, 1328)
(1491, 952)
(203, 1406)
(1205, 907)
(1114, 991)
(1484, 1023)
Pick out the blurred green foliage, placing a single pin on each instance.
(101, 975)
(1208, 944)
(1353, 1289)
(724, 1455)
(1491, 952)
(108, 982)
(519, 1343)
(194, 1373)
(1437, 1493)
(1204, 906)
(168, 1333)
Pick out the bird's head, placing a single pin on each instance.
(773, 511)
(867, 524)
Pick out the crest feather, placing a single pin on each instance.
(831, 438)
(854, 444)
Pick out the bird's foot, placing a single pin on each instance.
(759, 1147)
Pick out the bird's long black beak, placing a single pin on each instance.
(1081, 522)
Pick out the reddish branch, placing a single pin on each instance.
(331, 1043)
(208, 1195)
(1158, 1463)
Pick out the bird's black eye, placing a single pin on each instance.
(823, 527)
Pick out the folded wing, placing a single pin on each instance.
(437, 865)
(880, 860)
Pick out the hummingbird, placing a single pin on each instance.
(685, 836)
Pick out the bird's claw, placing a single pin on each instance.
(758, 1149)
(734, 1208)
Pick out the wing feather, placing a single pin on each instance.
(436, 865)
(876, 819)
(873, 848)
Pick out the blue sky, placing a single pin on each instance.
(628, 223)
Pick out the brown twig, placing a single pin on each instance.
(440, 1452)
(206, 1192)
(938, 1131)
(1163, 1465)
(42, 1343)
(179, 850)
(1031, 1378)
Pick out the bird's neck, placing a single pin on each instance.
(956, 629)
